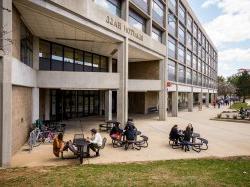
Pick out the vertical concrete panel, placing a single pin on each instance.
(163, 92)
(190, 101)
(35, 104)
(122, 93)
(108, 105)
(6, 87)
(175, 104)
(21, 115)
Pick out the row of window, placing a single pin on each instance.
(135, 19)
(190, 59)
(187, 75)
(26, 46)
(185, 19)
(57, 57)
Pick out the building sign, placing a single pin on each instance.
(119, 25)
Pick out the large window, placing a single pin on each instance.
(88, 62)
(171, 70)
(199, 65)
(56, 57)
(189, 59)
(195, 30)
(195, 78)
(195, 46)
(44, 55)
(189, 41)
(143, 4)
(137, 21)
(78, 60)
(172, 24)
(171, 47)
(194, 65)
(172, 5)
(181, 13)
(189, 23)
(181, 56)
(156, 34)
(158, 11)
(68, 59)
(113, 6)
(181, 33)
(181, 73)
(189, 76)
(26, 46)
(199, 79)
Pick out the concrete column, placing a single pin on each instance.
(163, 92)
(108, 105)
(200, 100)
(149, 21)
(36, 53)
(122, 92)
(35, 104)
(47, 104)
(125, 10)
(175, 104)
(190, 101)
(207, 99)
(5, 83)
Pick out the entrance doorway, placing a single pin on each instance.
(69, 104)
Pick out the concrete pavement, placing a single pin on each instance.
(225, 139)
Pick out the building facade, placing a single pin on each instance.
(68, 59)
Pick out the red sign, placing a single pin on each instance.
(168, 84)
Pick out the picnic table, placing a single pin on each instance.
(82, 146)
(107, 126)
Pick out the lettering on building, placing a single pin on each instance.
(117, 24)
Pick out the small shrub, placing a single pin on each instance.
(228, 116)
(235, 117)
(219, 116)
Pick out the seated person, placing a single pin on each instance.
(130, 133)
(95, 141)
(187, 133)
(59, 146)
(191, 128)
(174, 133)
(130, 124)
(116, 132)
(241, 111)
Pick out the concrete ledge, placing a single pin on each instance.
(77, 80)
(144, 85)
(232, 120)
(22, 74)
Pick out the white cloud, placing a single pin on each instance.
(233, 24)
(209, 3)
(232, 59)
(235, 55)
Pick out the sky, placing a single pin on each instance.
(227, 22)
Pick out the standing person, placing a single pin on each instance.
(95, 141)
(214, 104)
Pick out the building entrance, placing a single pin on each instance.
(69, 104)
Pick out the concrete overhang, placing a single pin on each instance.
(144, 85)
(78, 29)
(77, 80)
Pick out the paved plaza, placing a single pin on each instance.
(225, 139)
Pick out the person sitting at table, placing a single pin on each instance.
(187, 134)
(174, 134)
(116, 132)
(59, 146)
(191, 128)
(130, 133)
(130, 123)
(95, 141)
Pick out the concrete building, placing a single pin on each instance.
(67, 59)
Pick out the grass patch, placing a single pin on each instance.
(237, 106)
(195, 172)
